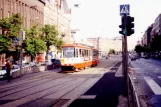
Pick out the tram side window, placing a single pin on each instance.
(89, 52)
(76, 52)
(80, 52)
(85, 53)
(95, 53)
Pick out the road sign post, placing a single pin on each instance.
(124, 11)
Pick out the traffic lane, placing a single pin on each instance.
(147, 80)
(144, 67)
(37, 91)
(104, 92)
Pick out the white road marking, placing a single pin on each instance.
(87, 97)
(153, 85)
(159, 77)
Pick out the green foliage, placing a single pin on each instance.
(111, 51)
(50, 36)
(5, 44)
(34, 44)
(33, 32)
(156, 43)
(15, 25)
(12, 26)
(139, 49)
(59, 43)
(5, 23)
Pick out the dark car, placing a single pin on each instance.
(146, 57)
(132, 57)
(56, 63)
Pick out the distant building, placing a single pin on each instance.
(105, 44)
(149, 36)
(157, 25)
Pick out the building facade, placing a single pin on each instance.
(157, 25)
(31, 12)
(56, 12)
(105, 44)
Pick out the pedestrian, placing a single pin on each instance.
(8, 69)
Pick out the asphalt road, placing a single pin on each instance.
(146, 74)
(53, 88)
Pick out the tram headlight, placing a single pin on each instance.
(62, 60)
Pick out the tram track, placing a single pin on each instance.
(71, 85)
(34, 83)
(52, 92)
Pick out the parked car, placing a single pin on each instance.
(146, 57)
(3, 72)
(132, 57)
(56, 63)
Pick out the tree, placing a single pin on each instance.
(50, 34)
(111, 51)
(34, 44)
(11, 25)
(139, 49)
(155, 44)
(59, 43)
(10, 29)
(5, 44)
(15, 25)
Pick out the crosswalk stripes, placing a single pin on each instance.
(153, 85)
(159, 77)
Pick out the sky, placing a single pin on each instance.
(102, 18)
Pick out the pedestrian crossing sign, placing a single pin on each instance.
(125, 9)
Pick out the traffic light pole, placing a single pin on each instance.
(125, 58)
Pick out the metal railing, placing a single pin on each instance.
(133, 100)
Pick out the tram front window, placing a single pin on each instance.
(68, 52)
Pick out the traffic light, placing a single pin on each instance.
(122, 26)
(24, 45)
(129, 25)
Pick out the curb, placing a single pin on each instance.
(119, 72)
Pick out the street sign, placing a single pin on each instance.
(15, 40)
(125, 9)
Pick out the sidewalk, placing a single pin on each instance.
(104, 93)
(29, 76)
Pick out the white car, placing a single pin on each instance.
(2, 72)
(15, 66)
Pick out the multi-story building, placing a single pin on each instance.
(145, 38)
(31, 11)
(56, 12)
(157, 25)
(149, 36)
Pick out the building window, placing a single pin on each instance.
(1, 14)
(8, 13)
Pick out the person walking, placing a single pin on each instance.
(8, 69)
